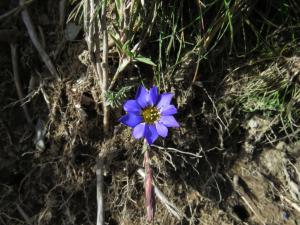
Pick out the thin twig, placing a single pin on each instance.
(24, 215)
(14, 59)
(100, 202)
(34, 38)
(246, 198)
(15, 10)
(169, 205)
(293, 204)
(252, 209)
(179, 151)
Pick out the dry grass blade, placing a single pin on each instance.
(34, 38)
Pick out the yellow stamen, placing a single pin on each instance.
(150, 115)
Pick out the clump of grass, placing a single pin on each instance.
(274, 91)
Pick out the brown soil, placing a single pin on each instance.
(47, 171)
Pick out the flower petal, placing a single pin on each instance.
(164, 100)
(132, 106)
(151, 134)
(139, 130)
(142, 96)
(153, 96)
(168, 121)
(168, 110)
(131, 120)
(162, 130)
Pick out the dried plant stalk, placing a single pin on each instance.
(14, 59)
(99, 62)
(104, 67)
(34, 38)
(100, 202)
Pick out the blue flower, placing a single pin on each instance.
(150, 114)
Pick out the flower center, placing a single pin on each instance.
(150, 114)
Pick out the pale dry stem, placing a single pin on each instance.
(100, 201)
(14, 57)
(34, 38)
(104, 67)
(16, 9)
(99, 63)
(24, 215)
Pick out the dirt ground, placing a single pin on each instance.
(222, 166)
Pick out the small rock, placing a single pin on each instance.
(253, 123)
